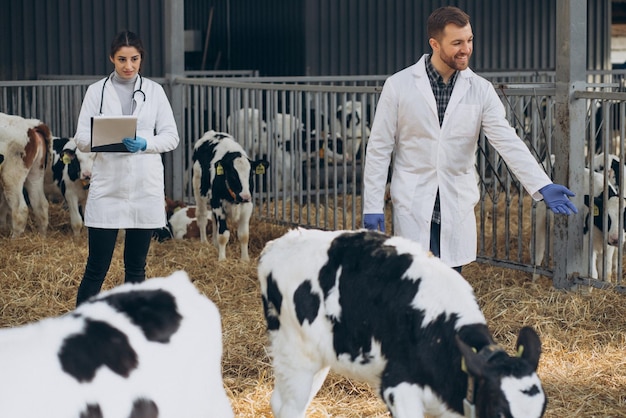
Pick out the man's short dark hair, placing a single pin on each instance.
(441, 17)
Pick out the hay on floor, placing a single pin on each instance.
(583, 366)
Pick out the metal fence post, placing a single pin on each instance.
(174, 23)
(571, 41)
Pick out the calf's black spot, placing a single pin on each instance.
(272, 303)
(92, 411)
(306, 302)
(154, 311)
(532, 391)
(98, 345)
(375, 296)
(144, 408)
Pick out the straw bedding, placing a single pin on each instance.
(583, 366)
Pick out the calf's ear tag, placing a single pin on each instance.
(66, 159)
(260, 169)
(596, 211)
(219, 170)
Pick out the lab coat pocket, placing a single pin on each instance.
(403, 191)
(467, 194)
(465, 121)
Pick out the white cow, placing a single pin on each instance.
(139, 350)
(382, 310)
(248, 126)
(285, 130)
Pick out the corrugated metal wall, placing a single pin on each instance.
(72, 37)
(382, 36)
(364, 37)
(283, 37)
(262, 35)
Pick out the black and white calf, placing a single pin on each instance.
(71, 172)
(599, 203)
(381, 310)
(614, 169)
(139, 350)
(352, 128)
(223, 180)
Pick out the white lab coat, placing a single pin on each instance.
(429, 157)
(127, 189)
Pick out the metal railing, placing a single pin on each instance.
(315, 176)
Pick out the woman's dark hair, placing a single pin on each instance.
(126, 38)
(441, 17)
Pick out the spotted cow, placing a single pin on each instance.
(223, 180)
(353, 128)
(25, 146)
(71, 172)
(184, 223)
(599, 203)
(139, 350)
(381, 310)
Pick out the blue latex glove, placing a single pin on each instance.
(373, 221)
(556, 198)
(135, 144)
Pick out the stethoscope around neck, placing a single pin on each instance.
(139, 90)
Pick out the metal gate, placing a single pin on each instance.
(315, 176)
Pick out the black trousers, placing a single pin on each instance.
(435, 242)
(101, 247)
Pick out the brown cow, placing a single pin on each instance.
(25, 149)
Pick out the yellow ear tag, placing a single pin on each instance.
(596, 211)
(520, 351)
(463, 365)
(219, 170)
(66, 159)
(260, 169)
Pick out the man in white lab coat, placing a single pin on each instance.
(429, 117)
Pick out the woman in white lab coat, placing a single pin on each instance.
(435, 153)
(127, 188)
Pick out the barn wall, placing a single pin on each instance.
(72, 37)
(382, 36)
(282, 37)
(267, 36)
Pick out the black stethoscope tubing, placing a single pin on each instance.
(139, 90)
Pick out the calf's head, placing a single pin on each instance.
(171, 206)
(503, 386)
(598, 210)
(79, 165)
(234, 174)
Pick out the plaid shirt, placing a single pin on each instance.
(442, 92)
